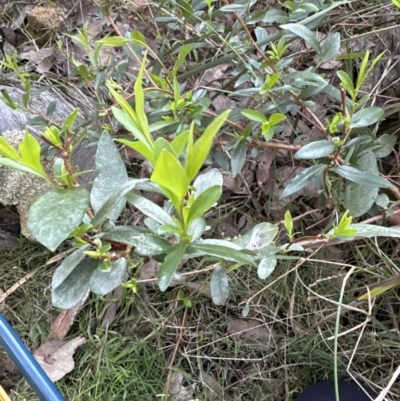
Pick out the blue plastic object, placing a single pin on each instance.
(27, 364)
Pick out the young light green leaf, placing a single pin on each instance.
(366, 117)
(179, 143)
(238, 157)
(139, 103)
(254, 115)
(315, 150)
(306, 34)
(288, 222)
(197, 153)
(171, 177)
(203, 203)
(102, 283)
(184, 51)
(70, 120)
(302, 179)
(8, 151)
(74, 287)
(360, 198)
(360, 177)
(54, 215)
(170, 265)
(139, 147)
(219, 285)
(347, 83)
(266, 266)
(30, 153)
(110, 176)
(160, 144)
(112, 41)
(19, 166)
(138, 38)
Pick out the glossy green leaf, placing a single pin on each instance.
(170, 265)
(302, 179)
(74, 287)
(315, 150)
(171, 177)
(360, 198)
(110, 176)
(183, 52)
(102, 283)
(366, 117)
(219, 285)
(197, 153)
(360, 177)
(159, 145)
(70, 120)
(54, 215)
(204, 202)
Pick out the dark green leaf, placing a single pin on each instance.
(360, 198)
(106, 210)
(238, 157)
(170, 265)
(111, 175)
(149, 208)
(54, 215)
(67, 266)
(330, 48)
(315, 150)
(302, 179)
(219, 286)
(144, 243)
(367, 116)
(360, 177)
(306, 34)
(223, 252)
(74, 287)
(102, 283)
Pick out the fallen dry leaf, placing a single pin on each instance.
(56, 357)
